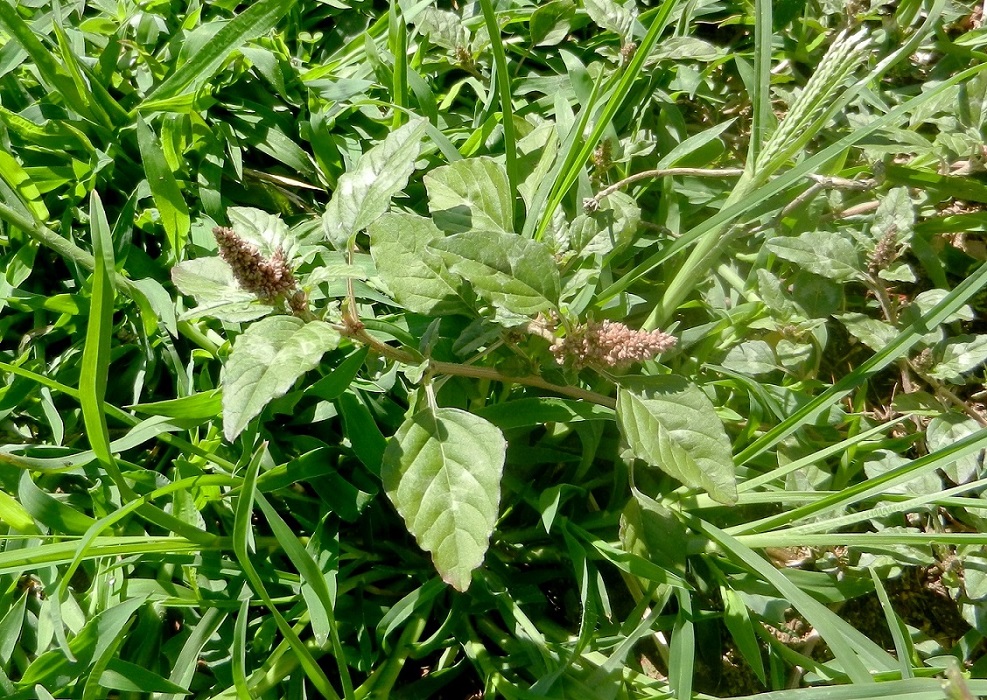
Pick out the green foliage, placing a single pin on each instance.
(596, 349)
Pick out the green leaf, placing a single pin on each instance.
(53, 514)
(895, 215)
(265, 230)
(609, 14)
(871, 332)
(543, 409)
(738, 622)
(13, 174)
(681, 48)
(365, 192)
(825, 253)
(752, 357)
(96, 353)
(671, 424)
(202, 405)
(322, 602)
(514, 273)
(91, 641)
(123, 675)
(417, 277)
(164, 189)
(650, 530)
(443, 28)
(946, 430)
(255, 21)
(960, 355)
(551, 22)
(265, 362)
(211, 282)
(14, 515)
(470, 194)
(442, 472)
(609, 228)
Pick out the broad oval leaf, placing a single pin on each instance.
(671, 424)
(365, 192)
(265, 362)
(614, 16)
(511, 272)
(826, 253)
(417, 277)
(211, 282)
(650, 530)
(266, 231)
(470, 194)
(442, 472)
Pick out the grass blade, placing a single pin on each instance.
(253, 22)
(503, 79)
(165, 190)
(851, 648)
(242, 540)
(96, 355)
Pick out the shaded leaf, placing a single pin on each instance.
(211, 282)
(417, 277)
(651, 530)
(825, 253)
(609, 14)
(551, 22)
(959, 356)
(470, 194)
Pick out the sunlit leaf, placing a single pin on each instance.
(265, 362)
(442, 471)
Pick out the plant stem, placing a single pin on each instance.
(358, 333)
(594, 201)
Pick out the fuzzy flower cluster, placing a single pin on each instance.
(885, 252)
(610, 344)
(265, 277)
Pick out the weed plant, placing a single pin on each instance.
(589, 349)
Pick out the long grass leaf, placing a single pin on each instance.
(874, 487)
(902, 643)
(165, 190)
(630, 75)
(238, 655)
(255, 21)
(398, 39)
(851, 648)
(761, 98)
(242, 539)
(503, 79)
(96, 354)
(311, 573)
(52, 73)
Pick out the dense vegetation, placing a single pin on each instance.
(579, 349)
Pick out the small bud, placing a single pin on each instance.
(627, 52)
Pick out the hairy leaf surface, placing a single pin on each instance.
(671, 424)
(442, 471)
(265, 362)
